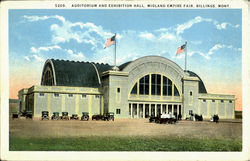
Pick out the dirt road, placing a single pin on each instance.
(231, 129)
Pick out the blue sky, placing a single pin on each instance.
(213, 37)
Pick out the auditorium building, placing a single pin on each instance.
(150, 85)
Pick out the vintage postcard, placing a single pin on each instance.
(124, 80)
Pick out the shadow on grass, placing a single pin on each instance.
(95, 143)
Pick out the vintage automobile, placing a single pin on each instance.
(109, 116)
(97, 117)
(74, 117)
(65, 116)
(15, 115)
(152, 118)
(215, 118)
(28, 115)
(55, 116)
(45, 115)
(198, 117)
(85, 116)
(166, 118)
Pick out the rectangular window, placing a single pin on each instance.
(129, 109)
(84, 95)
(118, 90)
(222, 101)
(56, 94)
(118, 111)
(70, 95)
(191, 93)
(213, 100)
(41, 94)
(190, 112)
(230, 101)
(97, 96)
(204, 100)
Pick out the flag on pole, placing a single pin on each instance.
(181, 49)
(110, 41)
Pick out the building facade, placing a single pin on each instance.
(150, 85)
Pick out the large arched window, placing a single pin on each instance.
(160, 85)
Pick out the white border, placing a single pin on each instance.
(4, 79)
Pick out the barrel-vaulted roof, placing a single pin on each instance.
(202, 88)
(74, 73)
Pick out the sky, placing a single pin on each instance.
(213, 36)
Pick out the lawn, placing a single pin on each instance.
(125, 143)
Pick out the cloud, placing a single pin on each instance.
(44, 48)
(168, 36)
(146, 35)
(38, 58)
(79, 55)
(221, 46)
(40, 18)
(224, 25)
(182, 27)
(27, 58)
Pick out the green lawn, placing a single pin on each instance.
(123, 144)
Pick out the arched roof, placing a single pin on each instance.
(202, 88)
(76, 74)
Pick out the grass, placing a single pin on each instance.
(95, 143)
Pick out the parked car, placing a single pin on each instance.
(45, 115)
(65, 116)
(28, 115)
(15, 115)
(55, 116)
(166, 118)
(74, 117)
(215, 118)
(109, 116)
(85, 116)
(97, 117)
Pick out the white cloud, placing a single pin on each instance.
(27, 58)
(79, 55)
(38, 58)
(146, 35)
(182, 27)
(168, 36)
(44, 48)
(39, 18)
(222, 26)
(220, 46)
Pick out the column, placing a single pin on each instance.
(178, 110)
(137, 110)
(143, 108)
(132, 106)
(166, 108)
(149, 108)
(161, 108)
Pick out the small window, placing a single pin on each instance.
(97, 96)
(222, 101)
(230, 101)
(56, 94)
(118, 111)
(118, 90)
(41, 94)
(84, 95)
(190, 112)
(213, 100)
(191, 93)
(204, 100)
(70, 95)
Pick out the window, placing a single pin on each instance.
(190, 112)
(230, 101)
(70, 95)
(41, 94)
(156, 84)
(191, 93)
(97, 96)
(176, 93)
(222, 101)
(213, 100)
(204, 100)
(56, 94)
(144, 85)
(167, 86)
(84, 95)
(118, 90)
(118, 111)
(134, 89)
(129, 109)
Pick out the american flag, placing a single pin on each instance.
(110, 41)
(181, 49)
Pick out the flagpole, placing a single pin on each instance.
(186, 56)
(115, 52)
